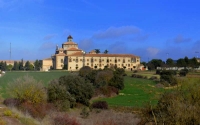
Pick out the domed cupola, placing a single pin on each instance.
(69, 38)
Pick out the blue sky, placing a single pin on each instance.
(146, 28)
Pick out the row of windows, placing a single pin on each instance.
(100, 60)
(122, 65)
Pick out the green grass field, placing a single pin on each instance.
(44, 77)
(137, 93)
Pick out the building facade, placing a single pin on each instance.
(70, 57)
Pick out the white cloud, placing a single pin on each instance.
(181, 39)
(49, 36)
(47, 45)
(86, 44)
(115, 32)
(152, 51)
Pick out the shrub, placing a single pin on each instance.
(84, 71)
(153, 78)
(26, 88)
(168, 76)
(135, 71)
(7, 113)
(78, 88)
(84, 113)
(158, 72)
(179, 106)
(12, 102)
(103, 77)
(59, 95)
(183, 72)
(100, 105)
(37, 110)
(64, 119)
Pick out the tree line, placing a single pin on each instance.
(182, 62)
(17, 66)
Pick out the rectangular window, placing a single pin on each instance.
(61, 60)
(107, 60)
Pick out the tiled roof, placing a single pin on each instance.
(103, 55)
(70, 43)
(76, 54)
(48, 59)
(61, 54)
(74, 49)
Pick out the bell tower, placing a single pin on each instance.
(69, 38)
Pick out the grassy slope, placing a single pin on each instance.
(136, 93)
(44, 77)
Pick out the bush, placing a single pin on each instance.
(12, 102)
(158, 72)
(64, 119)
(177, 107)
(37, 110)
(84, 113)
(168, 76)
(72, 88)
(103, 77)
(84, 71)
(7, 113)
(153, 78)
(26, 88)
(100, 105)
(183, 72)
(59, 95)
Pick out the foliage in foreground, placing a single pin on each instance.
(27, 89)
(68, 90)
(180, 106)
(106, 81)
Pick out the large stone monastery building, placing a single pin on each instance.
(72, 58)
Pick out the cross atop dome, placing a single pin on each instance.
(69, 38)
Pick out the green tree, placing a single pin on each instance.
(154, 63)
(9, 67)
(103, 77)
(106, 51)
(117, 80)
(21, 65)
(37, 64)
(170, 62)
(76, 86)
(59, 95)
(16, 65)
(181, 63)
(186, 60)
(193, 62)
(97, 51)
(27, 65)
(84, 71)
